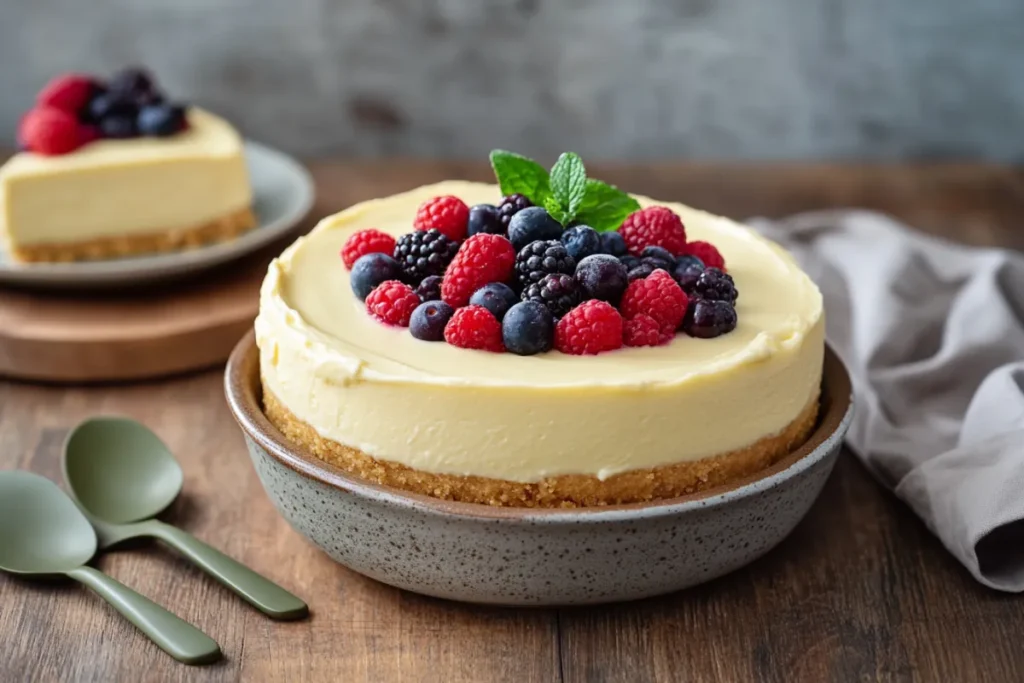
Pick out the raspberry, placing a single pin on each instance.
(658, 296)
(540, 258)
(448, 214)
(474, 327)
(643, 330)
(49, 131)
(70, 93)
(423, 253)
(365, 242)
(590, 328)
(707, 253)
(392, 302)
(654, 226)
(482, 259)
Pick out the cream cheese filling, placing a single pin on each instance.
(446, 410)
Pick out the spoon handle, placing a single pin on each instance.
(258, 591)
(176, 637)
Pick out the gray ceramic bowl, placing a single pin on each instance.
(516, 556)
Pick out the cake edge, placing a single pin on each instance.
(562, 491)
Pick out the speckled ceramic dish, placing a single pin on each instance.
(517, 556)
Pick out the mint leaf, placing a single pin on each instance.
(568, 184)
(556, 210)
(519, 175)
(605, 206)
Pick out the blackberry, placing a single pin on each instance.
(540, 258)
(715, 285)
(558, 291)
(706, 319)
(423, 253)
(430, 288)
(510, 206)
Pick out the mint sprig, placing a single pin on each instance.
(566, 192)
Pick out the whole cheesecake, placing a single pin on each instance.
(636, 423)
(107, 176)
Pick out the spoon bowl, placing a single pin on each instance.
(120, 471)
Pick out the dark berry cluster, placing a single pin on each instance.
(73, 110)
(424, 253)
(510, 278)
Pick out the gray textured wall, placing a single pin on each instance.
(767, 79)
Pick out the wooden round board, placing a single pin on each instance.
(127, 335)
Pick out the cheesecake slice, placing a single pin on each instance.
(118, 197)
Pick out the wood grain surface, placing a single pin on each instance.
(860, 591)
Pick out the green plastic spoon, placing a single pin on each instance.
(43, 533)
(122, 475)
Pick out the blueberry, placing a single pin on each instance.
(428, 320)
(118, 127)
(641, 271)
(107, 104)
(612, 243)
(581, 241)
(161, 120)
(132, 82)
(663, 256)
(706, 319)
(531, 224)
(686, 272)
(371, 270)
(495, 297)
(430, 288)
(603, 277)
(528, 328)
(485, 218)
(629, 261)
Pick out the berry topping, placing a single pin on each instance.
(365, 242)
(430, 288)
(658, 256)
(558, 291)
(531, 224)
(392, 302)
(642, 269)
(510, 206)
(643, 330)
(603, 277)
(686, 272)
(473, 327)
(590, 328)
(496, 297)
(715, 285)
(132, 83)
(707, 319)
(428, 320)
(106, 104)
(481, 259)
(629, 261)
(371, 270)
(118, 127)
(581, 241)
(528, 328)
(424, 253)
(612, 243)
(69, 93)
(485, 218)
(49, 131)
(161, 120)
(657, 296)
(654, 226)
(707, 253)
(541, 258)
(447, 214)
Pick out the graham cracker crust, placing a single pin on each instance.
(564, 491)
(220, 230)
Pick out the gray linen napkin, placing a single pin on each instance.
(933, 336)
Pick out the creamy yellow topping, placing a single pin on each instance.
(124, 187)
(447, 410)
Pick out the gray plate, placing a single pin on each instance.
(282, 195)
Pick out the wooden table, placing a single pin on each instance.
(860, 591)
